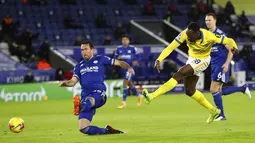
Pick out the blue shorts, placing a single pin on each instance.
(126, 75)
(218, 75)
(100, 100)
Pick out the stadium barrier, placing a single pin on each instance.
(51, 91)
(18, 76)
(48, 91)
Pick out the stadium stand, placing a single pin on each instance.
(59, 24)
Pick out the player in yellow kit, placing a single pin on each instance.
(199, 42)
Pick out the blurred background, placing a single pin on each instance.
(40, 39)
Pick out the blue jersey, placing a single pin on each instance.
(91, 73)
(127, 54)
(219, 56)
(219, 52)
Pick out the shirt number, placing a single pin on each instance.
(197, 61)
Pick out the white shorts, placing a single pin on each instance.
(199, 65)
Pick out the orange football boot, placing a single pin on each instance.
(123, 105)
(76, 103)
(140, 100)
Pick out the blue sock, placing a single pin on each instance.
(125, 94)
(85, 105)
(94, 130)
(134, 91)
(218, 102)
(232, 89)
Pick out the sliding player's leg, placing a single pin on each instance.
(87, 111)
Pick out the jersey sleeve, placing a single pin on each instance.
(181, 37)
(107, 60)
(76, 72)
(173, 45)
(221, 39)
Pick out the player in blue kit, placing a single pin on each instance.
(221, 56)
(130, 55)
(90, 73)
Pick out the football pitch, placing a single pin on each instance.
(176, 119)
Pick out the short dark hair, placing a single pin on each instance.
(212, 14)
(193, 26)
(125, 36)
(90, 44)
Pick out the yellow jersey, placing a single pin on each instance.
(199, 49)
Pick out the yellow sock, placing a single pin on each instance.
(169, 85)
(199, 97)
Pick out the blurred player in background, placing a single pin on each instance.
(221, 56)
(130, 55)
(90, 73)
(199, 42)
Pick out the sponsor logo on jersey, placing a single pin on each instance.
(125, 56)
(95, 62)
(89, 69)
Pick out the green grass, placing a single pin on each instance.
(176, 119)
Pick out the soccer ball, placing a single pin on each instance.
(16, 124)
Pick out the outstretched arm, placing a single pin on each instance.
(232, 44)
(124, 65)
(70, 82)
(168, 50)
(226, 41)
